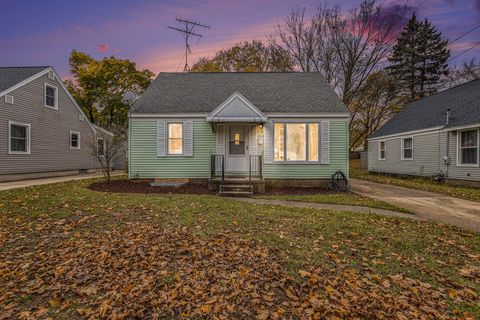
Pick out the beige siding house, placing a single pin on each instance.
(439, 134)
(43, 132)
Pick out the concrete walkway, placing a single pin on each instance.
(36, 182)
(326, 206)
(426, 205)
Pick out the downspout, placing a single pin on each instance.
(446, 159)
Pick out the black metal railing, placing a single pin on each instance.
(217, 166)
(255, 167)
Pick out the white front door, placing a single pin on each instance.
(237, 149)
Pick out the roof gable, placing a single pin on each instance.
(236, 108)
(24, 75)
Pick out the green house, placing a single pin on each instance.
(239, 131)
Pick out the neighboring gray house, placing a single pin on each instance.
(440, 133)
(43, 132)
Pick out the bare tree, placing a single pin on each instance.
(469, 70)
(346, 47)
(376, 102)
(106, 145)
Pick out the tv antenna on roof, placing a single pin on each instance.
(188, 31)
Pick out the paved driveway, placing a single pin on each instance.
(427, 205)
(36, 182)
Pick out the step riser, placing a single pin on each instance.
(235, 194)
(236, 188)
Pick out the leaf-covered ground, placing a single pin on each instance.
(67, 252)
(419, 183)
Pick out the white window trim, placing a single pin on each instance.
(459, 137)
(45, 97)
(402, 148)
(168, 139)
(28, 126)
(98, 140)
(379, 153)
(306, 161)
(79, 139)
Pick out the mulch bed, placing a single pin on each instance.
(126, 186)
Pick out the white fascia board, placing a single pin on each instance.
(406, 133)
(308, 115)
(73, 100)
(470, 126)
(168, 115)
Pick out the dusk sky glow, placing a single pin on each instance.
(44, 32)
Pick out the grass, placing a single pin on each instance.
(304, 238)
(350, 199)
(419, 183)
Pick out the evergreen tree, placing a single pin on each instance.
(419, 59)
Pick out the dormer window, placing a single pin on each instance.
(51, 96)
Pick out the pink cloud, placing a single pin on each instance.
(103, 47)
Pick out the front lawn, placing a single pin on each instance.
(341, 198)
(419, 183)
(68, 252)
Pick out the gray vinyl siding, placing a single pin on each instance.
(50, 131)
(429, 150)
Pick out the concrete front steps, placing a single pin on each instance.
(235, 189)
(237, 186)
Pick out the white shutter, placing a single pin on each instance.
(325, 142)
(188, 138)
(268, 142)
(220, 139)
(161, 138)
(252, 140)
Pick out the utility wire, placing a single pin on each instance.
(465, 33)
(464, 51)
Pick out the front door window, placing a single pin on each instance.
(237, 140)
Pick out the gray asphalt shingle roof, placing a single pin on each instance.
(463, 102)
(10, 76)
(297, 92)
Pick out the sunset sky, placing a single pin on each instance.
(44, 32)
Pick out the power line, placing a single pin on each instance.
(188, 31)
(465, 33)
(464, 51)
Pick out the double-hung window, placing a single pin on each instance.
(468, 147)
(74, 140)
(51, 96)
(382, 150)
(296, 142)
(175, 138)
(407, 148)
(19, 138)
